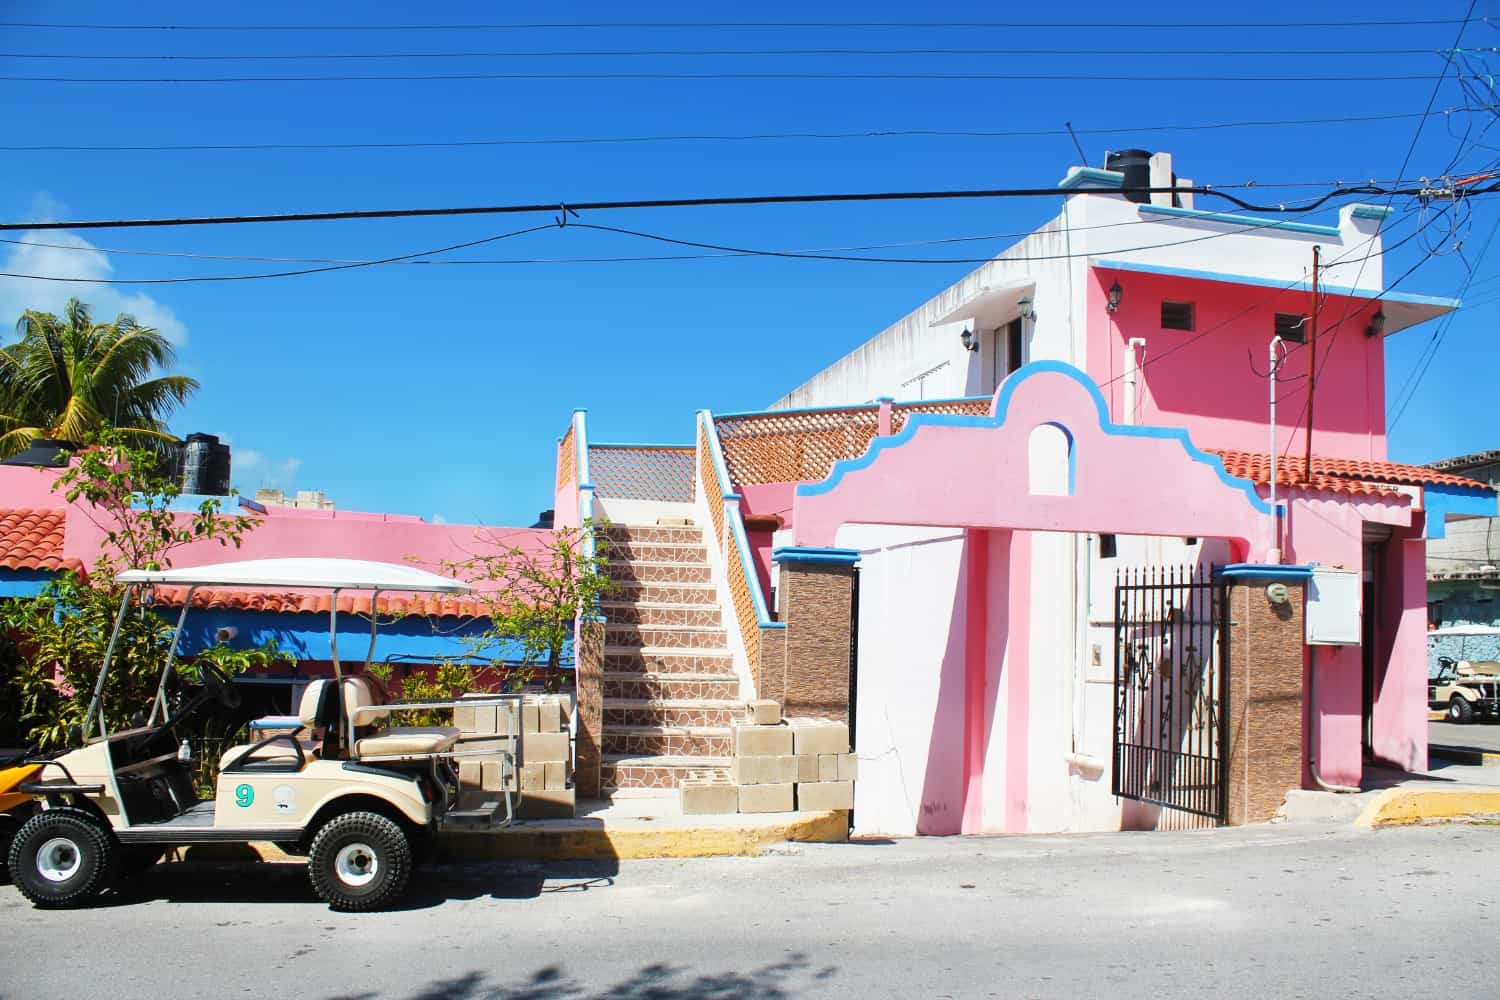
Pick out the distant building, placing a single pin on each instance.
(1463, 569)
(301, 500)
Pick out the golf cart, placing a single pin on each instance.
(333, 784)
(1466, 689)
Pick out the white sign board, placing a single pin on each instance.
(1333, 608)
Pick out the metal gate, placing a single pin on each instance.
(1171, 686)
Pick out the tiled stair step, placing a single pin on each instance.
(668, 741)
(667, 660)
(659, 572)
(716, 712)
(673, 552)
(670, 687)
(625, 771)
(687, 534)
(665, 636)
(661, 613)
(630, 592)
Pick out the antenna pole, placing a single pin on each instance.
(1312, 364)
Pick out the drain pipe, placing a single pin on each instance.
(1131, 369)
(1312, 715)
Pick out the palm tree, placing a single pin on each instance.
(68, 376)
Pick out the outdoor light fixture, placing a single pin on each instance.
(969, 341)
(1115, 293)
(1377, 325)
(1027, 310)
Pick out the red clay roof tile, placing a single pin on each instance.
(33, 539)
(1349, 476)
(400, 606)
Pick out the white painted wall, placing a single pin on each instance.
(640, 512)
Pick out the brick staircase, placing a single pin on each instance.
(669, 684)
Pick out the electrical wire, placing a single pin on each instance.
(705, 77)
(751, 137)
(593, 25)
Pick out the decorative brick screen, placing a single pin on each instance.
(632, 472)
(976, 406)
(567, 460)
(729, 539)
(796, 446)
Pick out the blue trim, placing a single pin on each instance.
(633, 444)
(1262, 571)
(1112, 264)
(1228, 219)
(885, 399)
(815, 554)
(1002, 407)
(1371, 211)
(1078, 176)
(1440, 501)
(585, 486)
(595, 619)
(24, 582)
(734, 496)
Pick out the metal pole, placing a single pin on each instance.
(1312, 367)
(333, 635)
(109, 651)
(160, 704)
(1273, 351)
(374, 627)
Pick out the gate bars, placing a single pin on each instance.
(1171, 688)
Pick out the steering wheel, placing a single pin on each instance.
(220, 686)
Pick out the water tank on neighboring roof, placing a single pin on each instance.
(1135, 164)
(205, 466)
(43, 453)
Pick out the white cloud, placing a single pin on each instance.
(253, 469)
(68, 255)
(437, 519)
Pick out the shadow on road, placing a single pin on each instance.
(657, 981)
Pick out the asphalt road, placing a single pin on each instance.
(1479, 735)
(1279, 911)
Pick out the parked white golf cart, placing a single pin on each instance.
(353, 796)
(1466, 689)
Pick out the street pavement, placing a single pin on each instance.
(1272, 911)
(1478, 735)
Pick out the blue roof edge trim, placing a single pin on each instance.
(1384, 295)
(1077, 177)
(1439, 501)
(1262, 571)
(1002, 409)
(1226, 218)
(815, 554)
(1371, 211)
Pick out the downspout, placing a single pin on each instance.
(1130, 376)
(1312, 716)
(1273, 362)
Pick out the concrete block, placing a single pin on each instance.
(548, 803)
(762, 741)
(828, 767)
(494, 774)
(549, 715)
(746, 770)
(818, 736)
(505, 719)
(470, 773)
(544, 747)
(463, 718)
(775, 770)
(763, 712)
(709, 798)
(766, 798)
(555, 774)
(848, 767)
(530, 719)
(479, 720)
(533, 777)
(482, 746)
(807, 767)
(821, 796)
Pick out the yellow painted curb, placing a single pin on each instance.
(1396, 806)
(1436, 715)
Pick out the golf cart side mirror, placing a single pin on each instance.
(137, 721)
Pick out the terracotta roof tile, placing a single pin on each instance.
(1348, 476)
(403, 605)
(33, 539)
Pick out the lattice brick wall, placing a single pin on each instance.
(567, 460)
(977, 407)
(744, 606)
(793, 447)
(640, 473)
(713, 490)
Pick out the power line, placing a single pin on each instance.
(704, 77)
(594, 25)
(751, 137)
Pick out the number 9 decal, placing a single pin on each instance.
(243, 796)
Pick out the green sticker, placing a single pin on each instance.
(243, 796)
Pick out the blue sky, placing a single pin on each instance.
(439, 390)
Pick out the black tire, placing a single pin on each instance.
(63, 858)
(359, 861)
(1459, 710)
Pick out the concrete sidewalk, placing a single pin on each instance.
(1390, 797)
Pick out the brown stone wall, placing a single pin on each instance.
(772, 663)
(813, 676)
(589, 677)
(1265, 699)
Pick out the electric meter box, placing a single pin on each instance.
(1333, 607)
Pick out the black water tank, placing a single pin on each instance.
(43, 453)
(1135, 164)
(205, 466)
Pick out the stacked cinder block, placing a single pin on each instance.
(546, 759)
(826, 769)
(709, 793)
(486, 733)
(763, 767)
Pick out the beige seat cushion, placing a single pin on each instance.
(280, 750)
(407, 740)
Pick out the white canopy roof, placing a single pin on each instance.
(312, 574)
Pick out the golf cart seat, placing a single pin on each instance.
(313, 711)
(370, 741)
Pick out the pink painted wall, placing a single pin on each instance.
(768, 498)
(1399, 727)
(1349, 411)
(23, 487)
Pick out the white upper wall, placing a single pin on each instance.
(921, 355)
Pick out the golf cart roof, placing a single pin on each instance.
(312, 574)
(1466, 630)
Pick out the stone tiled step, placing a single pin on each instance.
(713, 712)
(661, 613)
(702, 594)
(659, 572)
(689, 534)
(673, 552)
(669, 687)
(668, 741)
(665, 636)
(625, 771)
(667, 660)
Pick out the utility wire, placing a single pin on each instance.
(703, 77)
(751, 137)
(593, 25)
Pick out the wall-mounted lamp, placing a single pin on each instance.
(1377, 324)
(1026, 307)
(1115, 294)
(970, 342)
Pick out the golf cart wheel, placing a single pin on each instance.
(359, 861)
(1460, 710)
(62, 858)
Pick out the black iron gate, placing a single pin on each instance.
(1171, 686)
